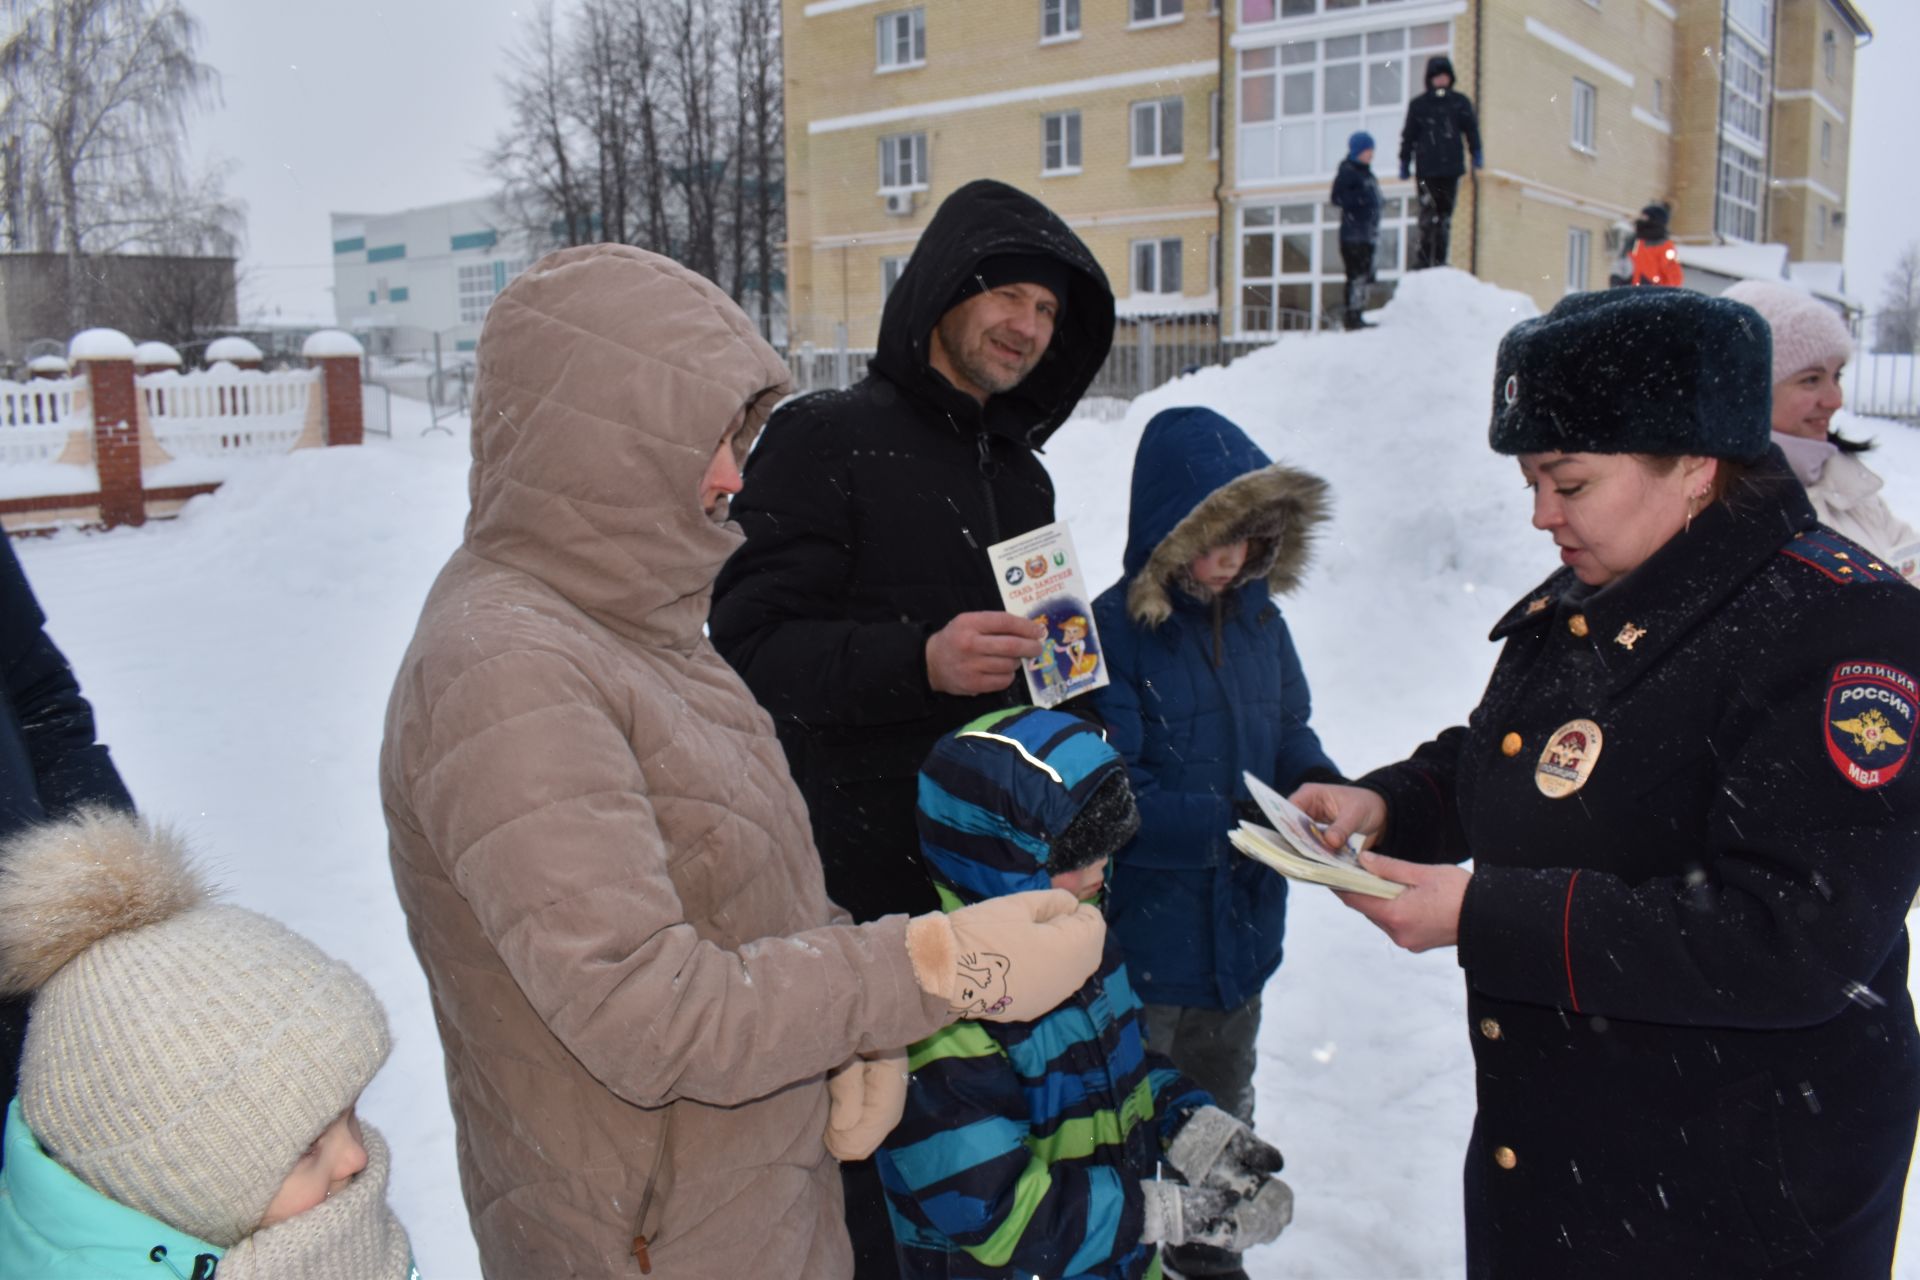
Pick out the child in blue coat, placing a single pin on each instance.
(1038, 1148)
(1206, 686)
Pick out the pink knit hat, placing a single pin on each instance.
(1806, 331)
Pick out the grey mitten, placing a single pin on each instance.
(1214, 1149)
(1175, 1215)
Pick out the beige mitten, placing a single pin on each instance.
(867, 1096)
(1008, 959)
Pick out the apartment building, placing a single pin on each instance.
(1193, 147)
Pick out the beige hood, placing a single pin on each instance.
(571, 366)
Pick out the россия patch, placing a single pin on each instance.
(1869, 718)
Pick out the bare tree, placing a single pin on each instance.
(1897, 328)
(97, 98)
(543, 182)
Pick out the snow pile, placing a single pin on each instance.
(100, 344)
(246, 703)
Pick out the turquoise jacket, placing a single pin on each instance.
(55, 1227)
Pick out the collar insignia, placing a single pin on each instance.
(1629, 636)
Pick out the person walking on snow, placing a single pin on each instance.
(1656, 260)
(1038, 1147)
(1438, 123)
(653, 1017)
(1206, 687)
(1356, 192)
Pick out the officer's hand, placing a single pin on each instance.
(1427, 915)
(981, 652)
(1405, 173)
(1344, 809)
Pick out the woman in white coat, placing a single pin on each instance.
(1810, 347)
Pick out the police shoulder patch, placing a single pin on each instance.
(1869, 722)
(1838, 558)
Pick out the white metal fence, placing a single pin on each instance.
(216, 412)
(36, 419)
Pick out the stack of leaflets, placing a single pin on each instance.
(1293, 847)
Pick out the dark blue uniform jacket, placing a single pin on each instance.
(1204, 690)
(1686, 970)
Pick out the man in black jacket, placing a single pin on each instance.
(1438, 121)
(50, 763)
(862, 611)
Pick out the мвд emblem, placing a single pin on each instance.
(1869, 722)
(1567, 762)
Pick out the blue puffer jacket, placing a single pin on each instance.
(1204, 688)
(1023, 1144)
(55, 1227)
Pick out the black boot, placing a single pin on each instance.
(1202, 1262)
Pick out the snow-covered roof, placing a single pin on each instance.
(100, 344)
(231, 348)
(1740, 261)
(47, 364)
(331, 342)
(1827, 279)
(155, 353)
(1150, 305)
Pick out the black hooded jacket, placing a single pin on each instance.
(1436, 123)
(868, 513)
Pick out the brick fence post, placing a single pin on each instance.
(337, 356)
(105, 356)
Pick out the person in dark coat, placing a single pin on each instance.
(1693, 826)
(862, 611)
(1356, 193)
(51, 763)
(1438, 122)
(1206, 685)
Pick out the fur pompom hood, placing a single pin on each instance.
(1199, 483)
(65, 886)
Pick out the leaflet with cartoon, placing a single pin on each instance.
(1040, 578)
(1293, 847)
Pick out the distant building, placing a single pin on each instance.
(401, 278)
(1195, 160)
(180, 300)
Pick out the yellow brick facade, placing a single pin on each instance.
(1588, 109)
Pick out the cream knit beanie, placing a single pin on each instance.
(1806, 331)
(181, 1055)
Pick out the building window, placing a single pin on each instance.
(1159, 129)
(1579, 258)
(1660, 98)
(1737, 209)
(1059, 19)
(903, 162)
(1826, 142)
(901, 39)
(1755, 15)
(1060, 142)
(1586, 105)
(1744, 91)
(890, 269)
(1156, 266)
(1142, 13)
(478, 283)
(1820, 226)
(1290, 273)
(1829, 54)
(1299, 100)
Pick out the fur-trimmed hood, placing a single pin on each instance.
(1199, 482)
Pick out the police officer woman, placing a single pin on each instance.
(1693, 828)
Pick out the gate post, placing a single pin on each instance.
(336, 355)
(106, 357)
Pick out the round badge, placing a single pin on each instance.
(1513, 389)
(1566, 764)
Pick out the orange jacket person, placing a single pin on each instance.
(1655, 258)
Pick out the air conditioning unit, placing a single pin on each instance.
(899, 203)
(1839, 217)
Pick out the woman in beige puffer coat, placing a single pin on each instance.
(640, 984)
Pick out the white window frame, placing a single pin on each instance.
(1739, 189)
(1826, 142)
(1155, 110)
(890, 269)
(888, 37)
(1062, 14)
(915, 147)
(1324, 278)
(1660, 97)
(1820, 218)
(1585, 113)
(1830, 55)
(1743, 91)
(1162, 257)
(1060, 144)
(1755, 17)
(1579, 259)
(1163, 13)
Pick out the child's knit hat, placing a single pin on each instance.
(1806, 331)
(181, 1054)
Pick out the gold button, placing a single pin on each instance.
(1578, 624)
(1504, 1157)
(1491, 1030)
(1510, 745)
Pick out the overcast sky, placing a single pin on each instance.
(372, 107)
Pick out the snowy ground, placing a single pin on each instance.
(240, 656)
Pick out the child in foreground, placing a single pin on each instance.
(1057, 1147)
(187, 1091)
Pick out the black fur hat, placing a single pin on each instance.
(1649, 370)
